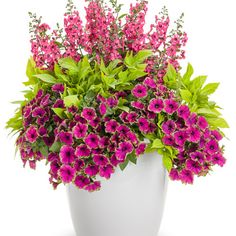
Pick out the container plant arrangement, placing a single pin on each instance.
(105, 95)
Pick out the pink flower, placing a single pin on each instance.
(197, 156)
(193, 166)
(132, 117)
(140, 149)
(212, 146)
(170, 106)
(174, 174)
(92, 141)
(132, 137)
(156, 105)
(79, 164)
(111, 126)
(123, 150)
(186, 176)
(59, 103)
(38, 112)
(82, 151)
(100, 160)
(216, 135)
(183, 112)
(67, 173)
(180, 137)
(218, 159)
(89, 113)
(143, 125)
(81, 181)
(139, 91)
(80, 131)
(32, 134)
(202, 122)
(123, 130)
(168, 140)
(194, 135)
(102, 109)
(106, 171)
(58, 88)
(91, 170)
(67, 154)
(66, 137)
(138, 105)
(95, 186)
(168, 127)
(150, 83)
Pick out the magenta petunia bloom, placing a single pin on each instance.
(168, 127)
(193, 166)
(112, 102)
(139, 91)
(82, 151)
(106, 171)
(58, 88)
(168, 140)
(32, 134)
(149, 82)
(132, 137)
(180, 137)
(174, 174)
(197, 156)
(143, 125)
(138, 105)
(89, 113)
(92, 141)
(66, 137)
(59, 104)
(91, 170)
(38, 112)
(100, 160)
(102, 109)
(45, 101)
(183, 112)
(54, 167)
(104, 142)
(95, 123)
(132, 117)
(194, 135)
(67, 173)
(202, 122)
(123, 150)
(95, 186)
(80, 131)
(212, 146)
(217, 135)
(67, 154)
(186, 176)
(156, 105)
(81, 181)
(42, 131)
(79, 164)
(123, 130)
(111, 126)
(170, 106)
(218, 159)
(140, 149)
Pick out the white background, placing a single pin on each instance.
(29, 206)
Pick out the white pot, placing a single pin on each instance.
(129, 204)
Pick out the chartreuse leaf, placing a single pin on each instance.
(69, 64)
(157, 143)
(46, 78)
(71, 100)
(186, 95)
(142, 55)
(187, 76)
(59, 112)
(167, 161)
(210, 88)
(56, 146)
(197, 83)
(218, 122)
(170, 77)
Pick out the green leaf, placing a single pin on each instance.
(197, 83)
(59, 112)
(44, 150)
(69, 64)
(132, 157)
(136, 74)
(167, 162)
(218, 122)
(123, 108)
(208, 112)
(46, 78)
(186, 95)
(157, 143)
(187, 76)
(124, 164)
(210, 88)
(71, 100)
(142, 55)
(56, 146)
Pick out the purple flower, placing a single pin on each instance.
(59, 104)
(54, 167)
(82, 151)
(59, 88)
(151, 127)
(93, 187)
(102, 109)
(79, 164)
(139, 91)
(92, 140)
(138, 105)
(89, 113)
(72, 109)
(32, 134)
(81, 181)
(100, 160)
(106, 171)
(39, 94)
(212, 146)
(111, 126)
(183, 112)
(197, 156)
(168, 140)
(91, 170)
(168, 127)
(186, 176)
(80, 131)
(38, 112)
(143, 125)
(202, 122)
(49, 140)
(180, 137)
(132, 137)
(123, 150)
(27, 111)
(216, 135)
(150, 83)
(170, 106)
(112, 102)
(156, 105)
(174, 174)
(192, 120)
(218, 159)
(67, 173)
(95, 123)
(66, 137)
(42, 131)
(67, 154)
(140, 149)
(132, 117)
(193, 166)
(123, 130)
(45, 100)
(194, 135)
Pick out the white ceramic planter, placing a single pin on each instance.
(129, 204)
